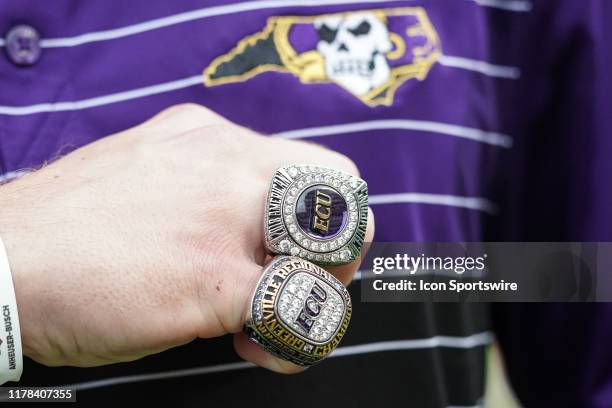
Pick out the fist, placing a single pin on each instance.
(147, 239)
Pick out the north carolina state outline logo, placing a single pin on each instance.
(369, 53)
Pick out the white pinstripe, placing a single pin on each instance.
(478, 135)
(483, 67)
(470, 203)
(206, 12)
(468, 342)
(198, 14)
(519, 6)
(102, 100)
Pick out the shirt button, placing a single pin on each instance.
(23, 45)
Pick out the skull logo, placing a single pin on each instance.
(354, 48)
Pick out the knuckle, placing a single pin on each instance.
(182, 108)
(347, 164)
(194, 111)
(215, 135)
(329, 157)
(221, 138)
(178, 110)
(205, 134)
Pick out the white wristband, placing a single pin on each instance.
(11, 358)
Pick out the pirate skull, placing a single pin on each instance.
(354, 48)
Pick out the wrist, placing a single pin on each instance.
(22, 254)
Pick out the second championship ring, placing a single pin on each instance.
(298, 312)
(316, 213)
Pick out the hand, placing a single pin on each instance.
(147, 239)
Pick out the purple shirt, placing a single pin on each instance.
(470, 120)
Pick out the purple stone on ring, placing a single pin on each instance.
(321, 212)
(316, 213)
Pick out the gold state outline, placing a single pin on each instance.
(309, 66)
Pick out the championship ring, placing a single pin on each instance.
(298, 312)
(316, 213)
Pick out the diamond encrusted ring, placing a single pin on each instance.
(298, 312)
(316, 213)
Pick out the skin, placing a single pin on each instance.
(147, 239)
